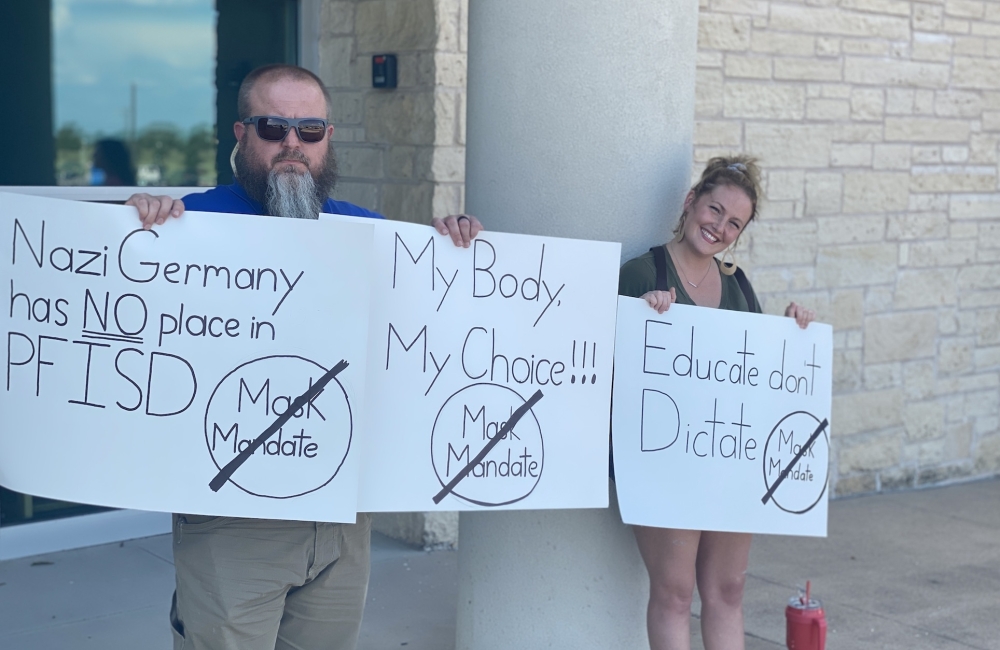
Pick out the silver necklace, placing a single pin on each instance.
(699, 281)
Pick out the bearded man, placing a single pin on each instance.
(255, 584)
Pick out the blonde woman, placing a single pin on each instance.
(685, 270)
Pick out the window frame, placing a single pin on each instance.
(98, 193)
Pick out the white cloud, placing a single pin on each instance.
(61, 15)
(92, 51)
(181, 44)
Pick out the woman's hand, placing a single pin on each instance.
(801, 315)
(660, 300)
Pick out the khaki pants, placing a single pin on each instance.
(261, 584)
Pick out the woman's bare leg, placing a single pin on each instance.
(670, 556)
(721, 570)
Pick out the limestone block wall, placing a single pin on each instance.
(400, 151)
(877, 122)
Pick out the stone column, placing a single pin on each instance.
(581, 116)
(580, 121)
(550, 579)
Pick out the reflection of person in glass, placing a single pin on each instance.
(112, 164)
(716, 211)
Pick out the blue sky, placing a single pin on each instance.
(167, 47)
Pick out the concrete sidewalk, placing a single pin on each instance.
(914, 570)
(910, 570)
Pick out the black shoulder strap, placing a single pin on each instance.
(660, 260)
(741, 278)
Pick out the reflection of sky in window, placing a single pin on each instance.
(167, 47)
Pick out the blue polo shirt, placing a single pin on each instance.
(233, 199)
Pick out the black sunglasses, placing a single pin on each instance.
(274, 129)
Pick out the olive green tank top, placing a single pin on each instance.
(638, 276)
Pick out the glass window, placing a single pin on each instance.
(131, 92)
(134, 92)
(16, 508)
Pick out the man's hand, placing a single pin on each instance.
(463, 228)
(660, 300)
(801, 315)
(155, 209)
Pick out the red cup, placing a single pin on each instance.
(805, 625)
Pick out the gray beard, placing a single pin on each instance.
(292, 195)
(275, 190)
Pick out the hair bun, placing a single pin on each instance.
(739, 170)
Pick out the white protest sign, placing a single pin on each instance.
(141, 366)
(461, 339)
(711, 408)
